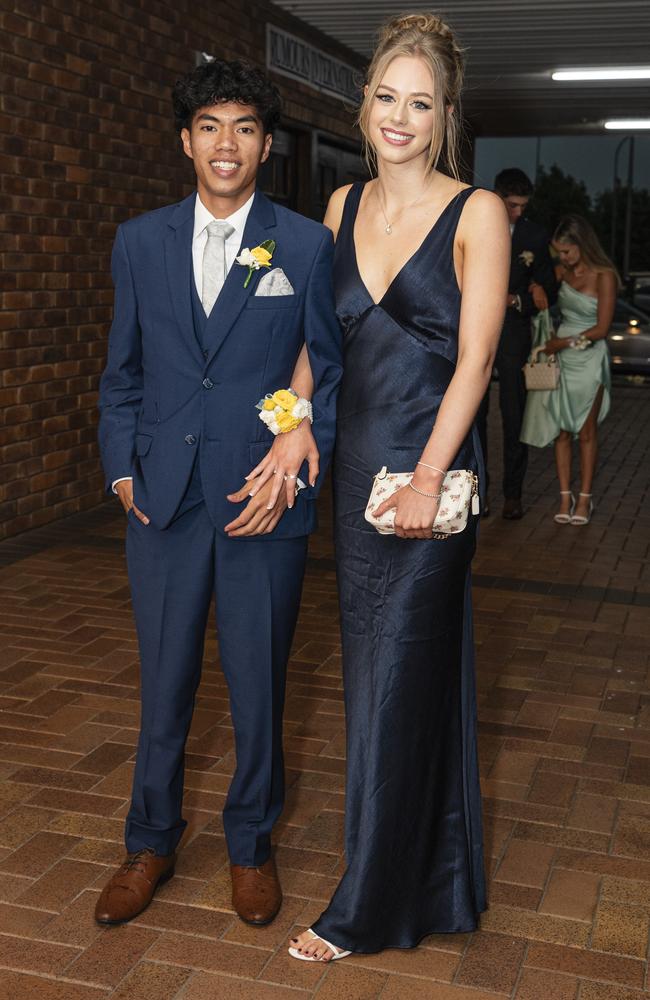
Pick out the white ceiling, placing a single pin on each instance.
(511, 46)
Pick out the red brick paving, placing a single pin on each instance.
(562, 627)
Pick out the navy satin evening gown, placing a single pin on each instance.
(413, 809)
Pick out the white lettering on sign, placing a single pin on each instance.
(289, 55)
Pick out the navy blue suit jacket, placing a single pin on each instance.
(155, 411)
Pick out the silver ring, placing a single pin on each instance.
(289, 476)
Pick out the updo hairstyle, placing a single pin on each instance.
(429, 38)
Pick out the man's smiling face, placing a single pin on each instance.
(227, 145)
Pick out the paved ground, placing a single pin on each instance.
(562, 626)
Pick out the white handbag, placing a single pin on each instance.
(543, 375)
(459, 492)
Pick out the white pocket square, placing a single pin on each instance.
(274, 282)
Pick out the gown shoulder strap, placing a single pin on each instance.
(462, 197)
(351, 207)
(451, 216)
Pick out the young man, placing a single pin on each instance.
(531, 271)
(197, 338)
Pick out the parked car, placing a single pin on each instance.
(629, 340)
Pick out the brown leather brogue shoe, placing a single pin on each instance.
(256, 893)
(131, 888)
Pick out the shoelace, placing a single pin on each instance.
(136, 861)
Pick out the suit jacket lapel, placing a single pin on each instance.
(515, 262)
(178, 264)
(233, 295)
(519, 235)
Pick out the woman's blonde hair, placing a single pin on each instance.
(576, 229)
(429, 38)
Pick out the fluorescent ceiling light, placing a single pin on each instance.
(628, 124)
(604, 73)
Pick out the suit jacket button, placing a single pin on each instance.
(208, 383)
(190, 439)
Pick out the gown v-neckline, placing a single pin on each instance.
(408, 261)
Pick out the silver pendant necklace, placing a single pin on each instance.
(389, 225)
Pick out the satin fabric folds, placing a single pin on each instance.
(582, 373)
(414, 863)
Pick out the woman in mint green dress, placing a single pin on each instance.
(587, 297)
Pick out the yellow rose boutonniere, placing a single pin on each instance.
(256, 258)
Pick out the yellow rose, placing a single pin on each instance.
(284, 398)
(269, 404)
(286, 422)
(261, 255)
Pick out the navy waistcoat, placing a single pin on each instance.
(201, 321)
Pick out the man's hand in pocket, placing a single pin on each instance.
(124, 490)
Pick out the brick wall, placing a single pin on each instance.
(86, 142)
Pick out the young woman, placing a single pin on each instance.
(587, 298)
(420, 278)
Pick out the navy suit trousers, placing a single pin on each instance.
(257, 584)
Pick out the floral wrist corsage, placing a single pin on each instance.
(282, 411)
(581, 343)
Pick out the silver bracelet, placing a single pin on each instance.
(434, 467)
(432, 496)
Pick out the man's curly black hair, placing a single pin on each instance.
(220, 81)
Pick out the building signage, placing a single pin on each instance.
(291, 56)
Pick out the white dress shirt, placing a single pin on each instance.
(202, 218)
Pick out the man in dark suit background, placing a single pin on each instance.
(531, 267)
(197, 339)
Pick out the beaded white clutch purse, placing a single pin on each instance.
(459, 492)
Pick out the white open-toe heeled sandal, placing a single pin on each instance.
(579, 518)
(566, 518)
(337, 953)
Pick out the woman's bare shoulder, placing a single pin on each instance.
(484, 204)
(483, 212)
(606, 280)
(335, 205)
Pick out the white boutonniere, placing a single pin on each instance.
(527, 256)
(256, 258)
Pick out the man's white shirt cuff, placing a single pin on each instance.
(123, 479)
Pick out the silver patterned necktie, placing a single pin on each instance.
(214, 263)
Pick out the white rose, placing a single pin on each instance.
(246, 258)
(267, 417)
(301, 409)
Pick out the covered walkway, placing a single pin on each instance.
(563, 630)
